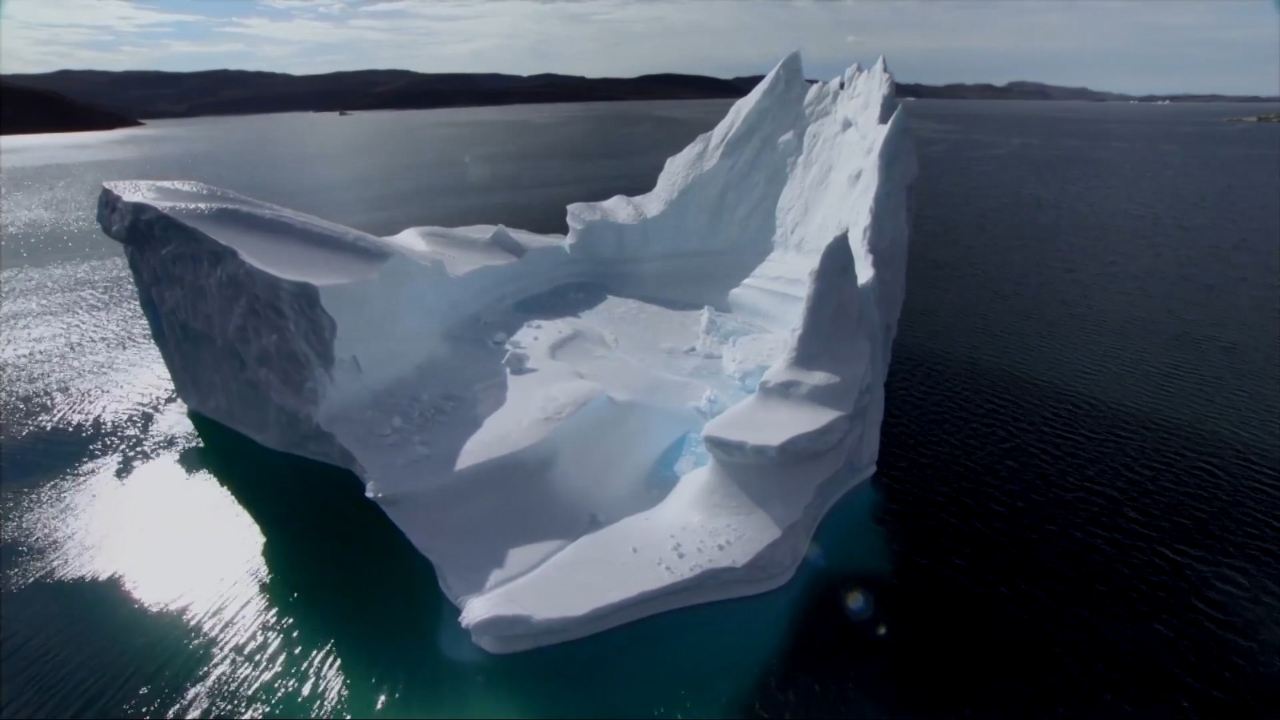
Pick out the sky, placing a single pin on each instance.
(1137, 46)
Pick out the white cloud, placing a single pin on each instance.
(120, 15)
(37, 36)
(303, 31)
(388, 6)
(187, 46)
(327, 7)
(1191, 45)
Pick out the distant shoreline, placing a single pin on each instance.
(156, 95)
(32, 111)
(71, 116)
(1272, 118)
(72, 122)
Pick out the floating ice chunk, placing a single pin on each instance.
(516, 361)
(532, 426)
(709, 405)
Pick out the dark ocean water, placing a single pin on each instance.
(1078, 510)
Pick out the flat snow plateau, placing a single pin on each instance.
(650, 412)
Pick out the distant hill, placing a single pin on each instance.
(25, 110)
(154, 94)
(1024, 90)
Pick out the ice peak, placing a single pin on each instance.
(788, 72)
(791, 65)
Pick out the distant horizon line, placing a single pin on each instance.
(649, 74)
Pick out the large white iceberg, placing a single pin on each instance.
(650, 412)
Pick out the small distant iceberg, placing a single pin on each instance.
(652, 411)
(1273, 118)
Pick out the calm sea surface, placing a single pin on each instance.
(1078, 510)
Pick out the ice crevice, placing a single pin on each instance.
(652, 411)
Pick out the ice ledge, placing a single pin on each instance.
(652, 411)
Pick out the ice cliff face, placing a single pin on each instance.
(551, 420)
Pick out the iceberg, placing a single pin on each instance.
(652, 411)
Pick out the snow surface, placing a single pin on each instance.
(650, 412)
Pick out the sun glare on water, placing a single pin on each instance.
(176, 541)
(179, 542)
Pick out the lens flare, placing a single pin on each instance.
(858, 604)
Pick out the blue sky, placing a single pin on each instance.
(1230, 46)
